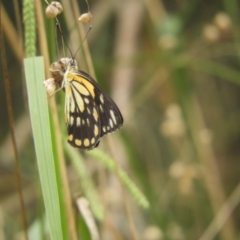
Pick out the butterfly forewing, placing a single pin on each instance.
(89, 112)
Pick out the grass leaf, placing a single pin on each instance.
(34, 70)
(108, 162)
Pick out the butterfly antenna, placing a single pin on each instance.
(60, 31)
(63, 39)
(90, 27)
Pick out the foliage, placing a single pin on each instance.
(172, 67)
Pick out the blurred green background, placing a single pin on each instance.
(172, 67)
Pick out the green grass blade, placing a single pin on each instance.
(34, 70)
(86, 181)
(108, 162)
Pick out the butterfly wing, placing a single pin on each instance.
(110, 116)
(90, 112)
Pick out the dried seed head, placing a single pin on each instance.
(58, 5)
(211, 33)
(64, 62)
(50, 86)
(53, 9)
(59, 66)
(85, 17)
(58, 69)
(55, 67)
(223, 21)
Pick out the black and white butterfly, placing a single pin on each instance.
(89, 112)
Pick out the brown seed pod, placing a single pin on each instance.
(53, 9)
(58, 69)
(51, 86)
(85, 17)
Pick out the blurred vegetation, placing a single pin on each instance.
(173, 69)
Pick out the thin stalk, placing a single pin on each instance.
(11, 125)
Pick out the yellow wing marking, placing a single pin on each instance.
(87, 84)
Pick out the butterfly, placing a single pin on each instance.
(89, 112)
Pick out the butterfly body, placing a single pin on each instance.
(89, 112)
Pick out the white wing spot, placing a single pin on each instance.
(101, 98)
(104, 129)
(72, 105)
(71, 120)
(78, 121)
(96, 131)
(79, 100)
(111, 123)
(88, 122)
(95, 114)
(86, 100)
(113, 117)
(101, 108)
(93, 141)
(88, 110)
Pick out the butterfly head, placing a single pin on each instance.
(72, 65)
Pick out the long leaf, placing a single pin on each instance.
(34, 70)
